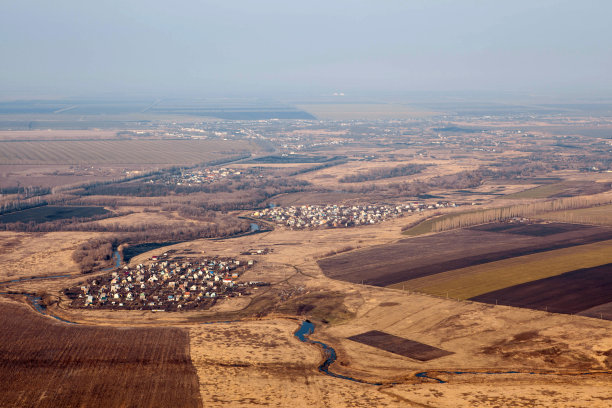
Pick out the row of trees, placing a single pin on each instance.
(8, 206)
(522, 210)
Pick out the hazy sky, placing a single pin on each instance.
(73, 47)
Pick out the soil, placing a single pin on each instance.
(398, 345)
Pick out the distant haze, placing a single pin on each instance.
(279, 47)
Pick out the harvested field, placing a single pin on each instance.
(476, 280)
(399, 345)
(570, 292)
(51, 213)
(423, 256)
(45, 363)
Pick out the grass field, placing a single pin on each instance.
(600, 215)
(472, 281)
(118, 151)
(562, 189)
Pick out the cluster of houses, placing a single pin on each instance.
(340, 216)
(165, 285)
(202, 176)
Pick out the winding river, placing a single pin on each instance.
(305, 330)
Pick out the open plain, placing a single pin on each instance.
(399, 318)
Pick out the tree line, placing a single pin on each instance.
(520, 210)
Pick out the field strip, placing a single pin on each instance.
(471, 281)
(117, 151)
(599, 215)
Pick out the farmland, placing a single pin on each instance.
(570, 292)
(412, 258)
(162, 152)
(49, 364)
(472, 281)
(170, 192)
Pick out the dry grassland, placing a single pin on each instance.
(39, 254)
(142, 219)
(476, 280)
(263, 363)
(532, 392)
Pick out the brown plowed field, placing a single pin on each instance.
(399, 345)
(44, 363)
(423, 256)
(571, 292)
(601, 312)
(532, 230)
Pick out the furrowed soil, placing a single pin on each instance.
(399, 345)
(45, 363)
(422, 256)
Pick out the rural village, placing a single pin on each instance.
(203, 176)
(165, 285)
(338, 216)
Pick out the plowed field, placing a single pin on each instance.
(44, 363)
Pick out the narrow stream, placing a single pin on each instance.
(35, 301)
(305, 330)
(117, 256)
